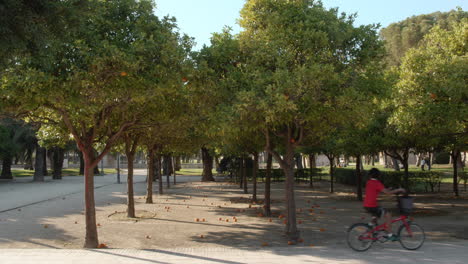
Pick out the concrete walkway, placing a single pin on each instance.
(23, 192)
(433, 253)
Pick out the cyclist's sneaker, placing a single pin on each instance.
(391, 237)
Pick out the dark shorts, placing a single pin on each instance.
(376, 211)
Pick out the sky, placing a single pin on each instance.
(200, 18)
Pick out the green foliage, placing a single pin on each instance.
(401, 36)
(15, 137)
(442, 158)
(309, 69)
(101, 74)
(431, 96)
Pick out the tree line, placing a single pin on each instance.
(298, 78)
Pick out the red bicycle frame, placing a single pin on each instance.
(383, 227)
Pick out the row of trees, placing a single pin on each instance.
(298, 78)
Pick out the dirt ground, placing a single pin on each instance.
(218, 214)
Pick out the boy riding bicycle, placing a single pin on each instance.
(373, 188)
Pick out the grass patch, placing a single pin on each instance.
(192, 172)
(65, 172)
(22, 173)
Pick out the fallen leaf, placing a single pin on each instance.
(102, 245)
(300, 240)
(148, 237)
(202, 236)
(46, 226)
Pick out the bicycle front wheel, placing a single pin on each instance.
(359, 237)
(412, 237)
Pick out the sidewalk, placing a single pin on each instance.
(432, 253)
(23, 191)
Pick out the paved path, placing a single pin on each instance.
(23, 192)
(434, 253)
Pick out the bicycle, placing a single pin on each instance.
(361, 236)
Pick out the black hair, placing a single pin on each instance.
(374, 173)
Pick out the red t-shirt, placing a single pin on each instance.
(373, 188)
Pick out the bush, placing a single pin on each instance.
(442, 158)
(422, 181)
(277, 175)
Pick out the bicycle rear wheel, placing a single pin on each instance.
(359, 237)
(411, 238)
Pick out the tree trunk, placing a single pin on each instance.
(298, 158)
(39, 166)
(178, 165)
(288, 168)
(6, 168)
(406, 167)
(254, 176)
(359, 177)
(455, 156)
(331, 171)
(207, 165)
(312, 162)
(173, 169)
(44, 161)
(96, 168)
(91, 238)
(240, 172)
(166, 170)
(158, 171)
(28, 160)
(267, 202)
(244, 176)
(429, 161)
(58, 154)
(216, 159)
(82, 163)
(395, 164)
(149, 183)
(130, 193)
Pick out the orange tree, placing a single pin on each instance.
(113, 59)
(303, 61)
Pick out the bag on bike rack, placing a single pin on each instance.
(405, 204)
